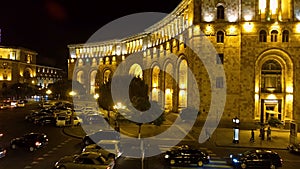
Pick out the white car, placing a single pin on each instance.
(108, 148)
(87, 160)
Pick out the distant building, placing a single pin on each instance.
(257, 43)
(18, 65)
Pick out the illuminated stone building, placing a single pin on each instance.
(257, 43)
(18, 65)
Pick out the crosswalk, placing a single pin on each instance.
(215, 161)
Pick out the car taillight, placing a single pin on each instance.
(38, 143)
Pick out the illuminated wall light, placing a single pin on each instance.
(289, 89)
(123, 57)
(248, 17)
(182, 86)
(271, 97)
(168, 91)
(232, 30)
(232, 18)
(208, 18)
(248, 27)
(256, 96)
(298, 28)
(289, 98)
(209, 29)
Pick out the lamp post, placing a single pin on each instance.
(236, 123)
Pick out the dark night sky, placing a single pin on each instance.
(48, 26)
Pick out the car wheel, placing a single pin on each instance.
(13, 146)
(172, 162)
(200, 163)
(243, 166)
(111, 156)
(78, 124)
(31, 149)
(62, 167)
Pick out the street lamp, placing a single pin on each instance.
(236, 123)
(72, 93)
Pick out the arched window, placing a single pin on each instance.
(274, 35)
(271, 77)
(285, 36)
(262, 36)
(220, 12)
(220, 37)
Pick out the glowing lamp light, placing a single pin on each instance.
(232, 18)
(232, 29)
(248, 27)
(208, 18)
(248, 17)
(96, 96)
(298, 28)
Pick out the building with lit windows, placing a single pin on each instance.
(257, 43)
(18, 65)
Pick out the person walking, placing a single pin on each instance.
(252, 136)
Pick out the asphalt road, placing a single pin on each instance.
(12, 124)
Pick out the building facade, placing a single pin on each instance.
(18, 65)
(256, 41)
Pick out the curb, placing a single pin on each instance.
(71, 135)
(250, 147)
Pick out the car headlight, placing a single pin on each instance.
(230, 156)
(296, 149)
(167, 156)
(235, 160)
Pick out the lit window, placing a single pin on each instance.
(285, 36)
(274, 35)
(262, 36)
(220, 12)
(220, 37)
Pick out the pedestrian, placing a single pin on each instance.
(269, 133)
(252, 136)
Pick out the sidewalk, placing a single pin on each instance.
(222, 137)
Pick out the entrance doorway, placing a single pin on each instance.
(270, 108)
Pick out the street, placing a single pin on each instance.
(12, 124)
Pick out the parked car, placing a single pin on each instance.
(108, 148)
(44, 120)
(257, 158)
(31, 141)
(20, 104)
(45, 105)
(2, 152)
(184, 155)
(94, 119)
(131, 158)
(86, 160)
(294, 148)
(100, 135)
(34, 116)
(4, 106)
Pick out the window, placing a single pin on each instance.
(271, 75)
(220, 58)
(220, 37)
(262, 36)
(285, 36)
(220, 12)
(219, 82)
(274, 35)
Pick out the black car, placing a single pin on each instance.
(43, 120)
(131, 157)
(257, 158)
(184, 155)
(101, 135)
(31, 141)
(294, 148)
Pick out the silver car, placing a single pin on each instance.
(86, 160)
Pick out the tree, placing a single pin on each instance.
(62, 88)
